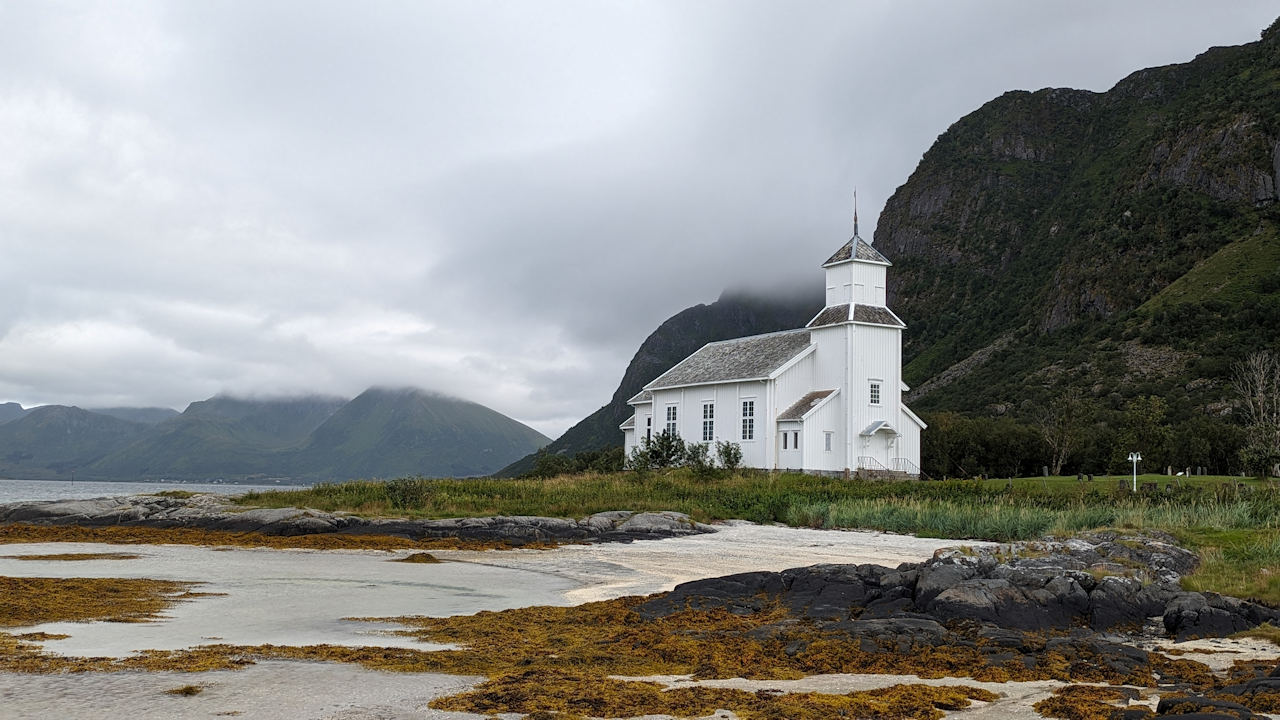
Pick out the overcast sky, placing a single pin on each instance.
(497, 200)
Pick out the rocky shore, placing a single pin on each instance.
(1101, 582)
(211, 512)
(1092, 608)
(1097, 608)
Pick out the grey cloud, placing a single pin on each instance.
(490, 198)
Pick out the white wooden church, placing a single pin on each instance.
(825, 398)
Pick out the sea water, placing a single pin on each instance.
(24, 490)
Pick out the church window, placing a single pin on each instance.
(784, 441)
(648, 428)
(671, 420)
(826, 438)
(875, 393)
(748, 419)
(708, 422)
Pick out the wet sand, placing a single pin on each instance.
(298, 597)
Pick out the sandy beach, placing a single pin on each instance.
(298, 597)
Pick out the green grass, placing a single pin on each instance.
(1231, 274)
(1242, 562)
(1234, 523)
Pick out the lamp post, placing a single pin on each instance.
(1134, 458)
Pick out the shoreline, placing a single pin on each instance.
(338, 691)
(893, 604)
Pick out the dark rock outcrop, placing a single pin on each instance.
(1102, 582)
(209, 512)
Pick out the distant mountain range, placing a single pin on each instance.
(381, 433)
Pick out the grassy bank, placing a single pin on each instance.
(992, 510)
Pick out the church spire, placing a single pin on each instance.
(855, 212)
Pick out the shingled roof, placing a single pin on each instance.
(804, 405)
(876, 314)
(873, 314)
(831, 315)
(748, 358)
(856, 249)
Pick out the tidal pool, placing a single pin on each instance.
(300, 597)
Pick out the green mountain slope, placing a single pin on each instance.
(1106, 244)
(393, 432)
(219, 437)
(53, 441)
(733, 315)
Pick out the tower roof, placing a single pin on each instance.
(856, 249)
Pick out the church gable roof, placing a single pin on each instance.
(644, 396)
(856, 249)
(878, 426)
(748, 358)
(805, 404)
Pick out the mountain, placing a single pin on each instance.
(11, 411)
(1068, 244)
(146, 415)
(1110, 244)
(734, 314)
(380, 434)
(222, 436)
(393, 432)
(54, 440)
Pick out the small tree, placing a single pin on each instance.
(1062, 425)
(729, 454)
(1256, 379)
(666, 450)
(1143, 429)
(640, 460)
(548, 464)
(698, 458)
(407, 492)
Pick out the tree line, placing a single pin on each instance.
(1075, 434)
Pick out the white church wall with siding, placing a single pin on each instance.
(855, 341)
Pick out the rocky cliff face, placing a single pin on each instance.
(1056, 209)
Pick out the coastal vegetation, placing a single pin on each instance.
(73, 557)
(31, 601)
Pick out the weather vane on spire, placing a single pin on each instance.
(855, 212)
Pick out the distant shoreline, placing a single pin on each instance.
(20, 490)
